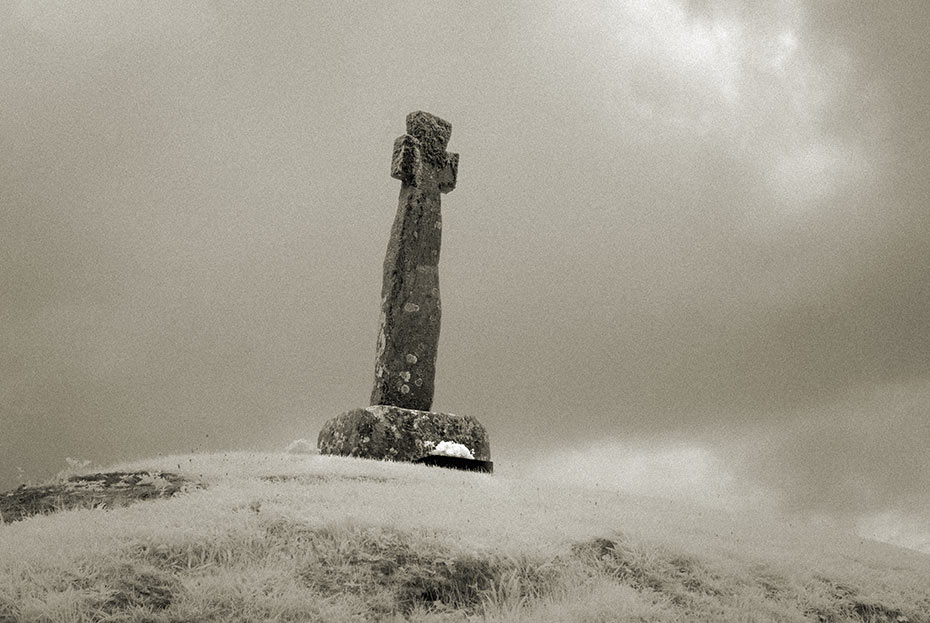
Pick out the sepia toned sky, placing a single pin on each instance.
(690, 241)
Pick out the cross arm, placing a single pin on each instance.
(449, 173)
(406, 160)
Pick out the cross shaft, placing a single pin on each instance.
(410, 305)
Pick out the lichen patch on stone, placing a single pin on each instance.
(400, 434)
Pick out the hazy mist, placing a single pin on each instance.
(683, 230)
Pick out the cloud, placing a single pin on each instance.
(683, 470)
(674, 220)
(98, 24)
(905, 529)
(857, 464)
(862, 453)
(757, 83)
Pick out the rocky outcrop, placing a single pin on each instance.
(105, 490)
(394, 433)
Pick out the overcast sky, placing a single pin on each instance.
(688, 230)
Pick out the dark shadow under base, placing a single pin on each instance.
(454, 462)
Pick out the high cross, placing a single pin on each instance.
(405, 367)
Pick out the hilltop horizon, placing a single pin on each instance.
(271, 536)
(651, 475)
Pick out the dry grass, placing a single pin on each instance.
(310, 538)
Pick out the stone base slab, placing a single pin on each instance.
(392, 433)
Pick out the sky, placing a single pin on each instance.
(688, 252)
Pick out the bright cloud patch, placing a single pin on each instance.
(673, 470)
(748, 81)
(909, 530)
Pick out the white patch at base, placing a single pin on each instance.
(451, 448)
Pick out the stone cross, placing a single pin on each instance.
(410, 309)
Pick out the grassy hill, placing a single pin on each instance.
(279, 537)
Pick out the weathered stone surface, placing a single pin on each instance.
(399, 425)
(388, 432)
(405, 368)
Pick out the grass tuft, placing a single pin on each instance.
(396, 571)
(133, 586)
